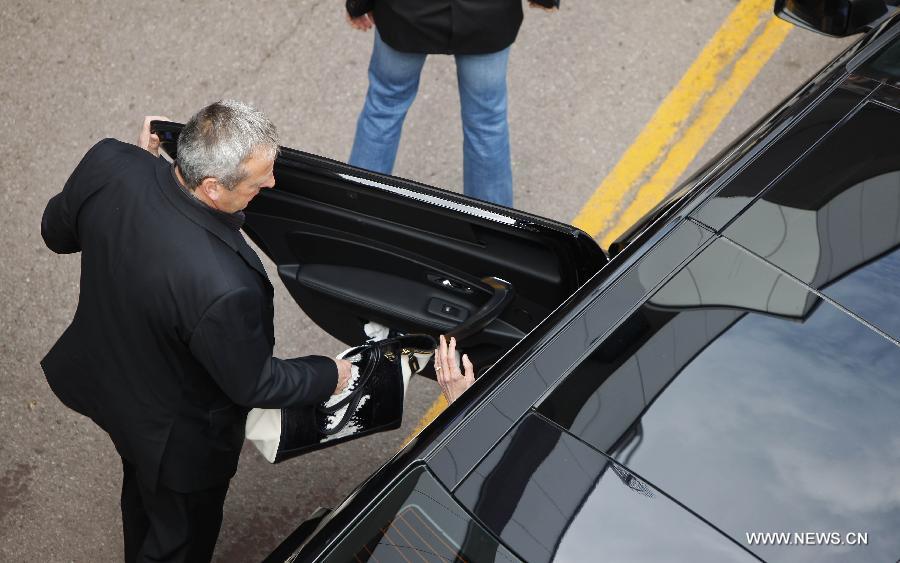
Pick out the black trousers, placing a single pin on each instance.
(166, 525)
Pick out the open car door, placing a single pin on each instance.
(354, 246)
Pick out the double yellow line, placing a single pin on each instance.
(684, 121)
(678, 130)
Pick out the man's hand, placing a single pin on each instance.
(363, 22)
(150, 141)
(343, 367)
(453, 382)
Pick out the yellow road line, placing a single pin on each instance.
(677, 131)
(717, 105)
(684, 105)
(436, 408)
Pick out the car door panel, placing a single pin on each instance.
(345, 247)
(352, 246)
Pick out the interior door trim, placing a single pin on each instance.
(432, 200)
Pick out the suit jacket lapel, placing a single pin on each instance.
(250, 257)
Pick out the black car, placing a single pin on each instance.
(725, 385)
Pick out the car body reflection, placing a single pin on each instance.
(729, 391)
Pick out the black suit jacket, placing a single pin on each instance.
(458, 27)
(172, 338)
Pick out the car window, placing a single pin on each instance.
(769, 165)
(886, 64)
(871, 291)
(553, 498)
(418, 520)
(767, 409)
(833, 221)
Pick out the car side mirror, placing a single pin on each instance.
(837, 18)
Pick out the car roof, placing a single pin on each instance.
(767, 397)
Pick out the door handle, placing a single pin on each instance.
(502, 295)
(451, 284)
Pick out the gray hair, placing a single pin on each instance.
(217, 140)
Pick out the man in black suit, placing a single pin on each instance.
(172, 340)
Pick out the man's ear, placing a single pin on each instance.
(210, 188)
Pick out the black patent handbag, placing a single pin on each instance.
(372, 402)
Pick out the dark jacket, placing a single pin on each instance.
(172, 338)
(458, 27)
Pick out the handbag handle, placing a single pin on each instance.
(502, 294)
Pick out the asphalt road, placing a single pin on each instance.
(583, 83)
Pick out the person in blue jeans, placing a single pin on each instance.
(479, 35)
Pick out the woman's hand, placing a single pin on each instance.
(453, 382)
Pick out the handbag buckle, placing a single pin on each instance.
(413, 363)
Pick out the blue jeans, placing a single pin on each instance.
(393, 83)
